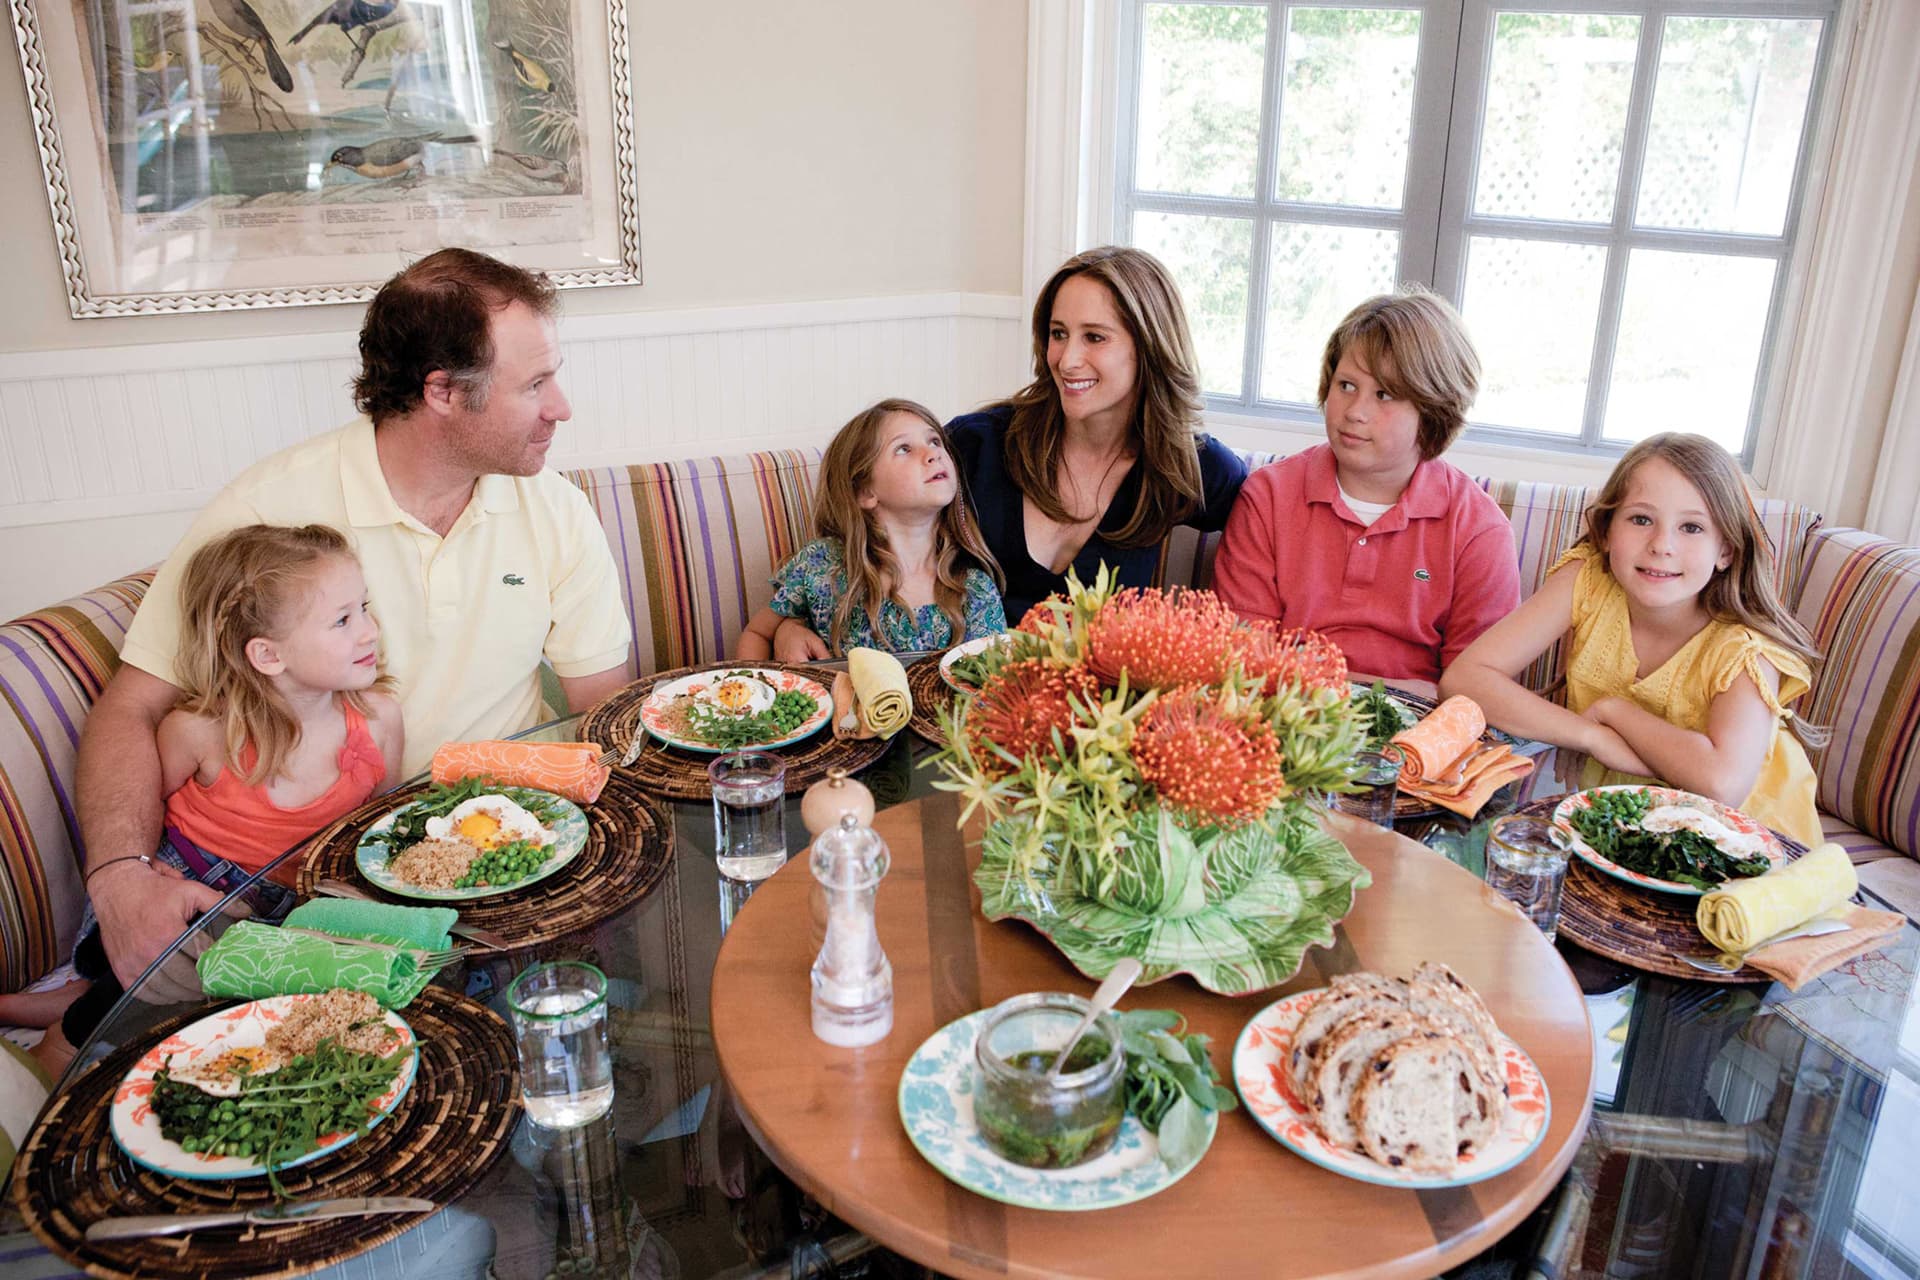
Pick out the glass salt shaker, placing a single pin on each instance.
(852, 980)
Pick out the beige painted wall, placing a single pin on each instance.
(788, 151)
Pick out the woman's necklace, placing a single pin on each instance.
(1080, 495)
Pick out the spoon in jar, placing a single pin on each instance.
(1123, 976)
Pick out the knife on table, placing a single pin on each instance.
(485, 937)
(266, 1215)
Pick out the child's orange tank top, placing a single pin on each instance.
(238, 822)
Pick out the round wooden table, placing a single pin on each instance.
(828, 1116)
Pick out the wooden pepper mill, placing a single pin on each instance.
(826, 800)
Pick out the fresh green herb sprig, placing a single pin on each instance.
(504, 865)
(441, 799)
(1612, 828)
(1380, 714)
(789, 710)
(1171, 1082)
(278, 1116)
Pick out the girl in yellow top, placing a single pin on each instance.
(1684, 658)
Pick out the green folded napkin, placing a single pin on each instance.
(425, 927)
(253, 960)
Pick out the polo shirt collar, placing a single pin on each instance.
(1424, 498)
(370, 502)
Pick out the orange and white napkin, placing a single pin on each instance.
(569, 769)
(1444, 762)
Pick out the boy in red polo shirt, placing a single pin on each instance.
(1371, 539)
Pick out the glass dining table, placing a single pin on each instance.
(1736, 1131)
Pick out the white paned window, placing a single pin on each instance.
(1609, 193)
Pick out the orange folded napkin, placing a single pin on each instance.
(1485, 774)
(1436, 744)
(565, 768)
(1798, 961)
(1446, 741)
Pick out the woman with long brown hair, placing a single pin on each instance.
(1101, 455)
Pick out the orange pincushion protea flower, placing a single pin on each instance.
(1162, 640)
(1020, 708)
(1038, 617)
(1206, 762)
(1297, 657)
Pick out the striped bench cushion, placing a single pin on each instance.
(696, 543)
(53, 664)
(1861, 601)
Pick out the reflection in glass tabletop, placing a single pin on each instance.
(1736, 1131)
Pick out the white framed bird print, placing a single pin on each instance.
(206, 155)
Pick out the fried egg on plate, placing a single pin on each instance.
(221, 1074)
(736, 695)
(487, 822)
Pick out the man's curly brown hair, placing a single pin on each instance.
(436, 316)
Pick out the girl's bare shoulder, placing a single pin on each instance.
(195, 739)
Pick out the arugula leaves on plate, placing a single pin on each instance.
(1382, 716)
(1612, 828)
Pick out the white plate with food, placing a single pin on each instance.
(1665, 839)
(736, 709)
(471, 839)
(181, 1089)
(1267, 1084)
(960, 666)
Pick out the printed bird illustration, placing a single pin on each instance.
(347, 15)
(539, 168)
(239, 18)
(360, 21)
(388, 157)
(528, 72)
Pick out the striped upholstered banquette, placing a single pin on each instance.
(696, 542)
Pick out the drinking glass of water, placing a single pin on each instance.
(749, 814)
(1376, 779)
(1527, 865)
(560, 1026)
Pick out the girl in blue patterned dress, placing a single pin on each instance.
(898, 563)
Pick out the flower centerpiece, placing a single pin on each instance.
(1142, 759)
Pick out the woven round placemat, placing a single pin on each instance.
(682, 775)
(629, 846)
(932, 695)
(1641, 928)
(446, 1133)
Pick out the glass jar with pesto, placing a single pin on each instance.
(1034, 1120)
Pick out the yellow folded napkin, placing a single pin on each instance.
(871, 700)
(1800, 960)
(1742, 913)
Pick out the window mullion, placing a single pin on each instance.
(1613, 287)
(1259, 250)
(1429, 142)
(1471, 69)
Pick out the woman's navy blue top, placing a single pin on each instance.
(977, 441)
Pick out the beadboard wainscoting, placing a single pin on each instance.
(106, 452)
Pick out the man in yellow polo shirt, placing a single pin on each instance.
(479, 562)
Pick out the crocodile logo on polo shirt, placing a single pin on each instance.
(1423, 575)
(515, 580)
